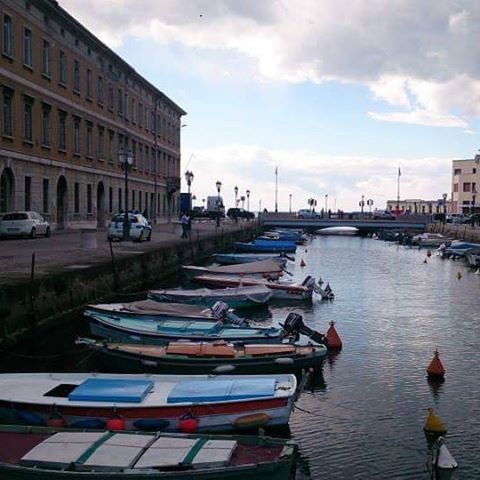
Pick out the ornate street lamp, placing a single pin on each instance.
(219, 186)
(248, 200)
(370, 204)
(193, 200)
(361, 203)
(235, 189)
(189, 179)
(126, 161)
(326, 202)
(290, 203)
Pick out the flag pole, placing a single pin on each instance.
(276, 189)
(398, 190)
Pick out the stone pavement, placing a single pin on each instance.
(65, 250)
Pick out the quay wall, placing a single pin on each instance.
(30, 307)
(458, 231)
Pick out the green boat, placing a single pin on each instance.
(43, 453)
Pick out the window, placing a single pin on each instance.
(147, 153)
(154, 161)
(110, 97)
(133, 199)
(27, 119)
(46, 125)
(455, 187)
(89, 143)
(62, 130)
(134, 153)
(140, 155)
(120, 147)
(140, 114)
(62, 67)
(466, 187)
(89, 83)
(474, 187)
(125, 106)
(76, 76)
(457, 171)
(110, 199)
(111, 135)
(76, 136)
(147, 116)
(28, 193)
(76, 199)
(101, 143)
(474, 170)
(134, 116)
(27, 47)
(100, 90)
(45, 195)
(7, 35)
(119, 199)
(140, 201)
(7, 112)
(89, 198)
(46, 59)
(120, 102)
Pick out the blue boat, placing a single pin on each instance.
(270, 246)
(160, 332)
(235, 258)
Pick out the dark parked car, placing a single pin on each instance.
(239, 213)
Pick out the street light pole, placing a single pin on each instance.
(472, 213)
(126, 160)
(219, 186)
(248, 200)
(444, 196)
(235, 189)
(189, 179)
(326, 202)
(290, 204)
(362, 203)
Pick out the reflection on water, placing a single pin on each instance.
(363, 415)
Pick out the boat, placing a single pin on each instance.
(233, 258)
(270, 246)
(205, 358)
(473, 257)
(457, 248)
(156, 311)
(284, 290)
(337, 231)
(299, 239)
(430, 240)
(159, 332)
(441, 457)
(46, 453)
(145, 402)
(241, 297)
(262, 268)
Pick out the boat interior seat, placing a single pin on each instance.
(268, 349)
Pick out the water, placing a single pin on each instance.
(364, 419)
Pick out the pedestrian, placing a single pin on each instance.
(189, 224)
(184, 221)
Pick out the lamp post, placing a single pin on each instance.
(219, 186)
(193, 200)
(189, 179)
(235, 189)
(126, 160)
(472, 207)
(248, 200)
(444, 196)
(326, 202)
(361, 203)
(370, 204)
(290, 204)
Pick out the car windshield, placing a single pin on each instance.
(121, 217)
(15, 216)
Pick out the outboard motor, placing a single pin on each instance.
(309, 282)
(221, 311)
(294, 325)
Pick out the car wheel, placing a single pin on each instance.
(140, 238)
(149, 236)
(33, 233)
(47, 232)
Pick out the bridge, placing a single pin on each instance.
(364, 225)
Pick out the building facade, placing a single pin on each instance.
(465, 182)
(417, 206)
(71, 112)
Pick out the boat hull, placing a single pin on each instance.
(266, 246)
(232, 258)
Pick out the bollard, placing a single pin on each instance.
(88, 238)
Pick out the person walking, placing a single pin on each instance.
(184, 220)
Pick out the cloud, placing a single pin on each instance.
(420, 117)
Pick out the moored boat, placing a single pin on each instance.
(337, 231)
(206, 358)
(262, 268)
(44, 453)
(241, 297)
(234, 258)
(473, 257)
(156, 402)
(270, 246)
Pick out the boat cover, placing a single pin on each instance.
(219, 390)
(156, 308)
(262, 266)
(111, 390)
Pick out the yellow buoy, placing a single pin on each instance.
(433, 424)
(459, 275)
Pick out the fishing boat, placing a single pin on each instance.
(233, 258)
(153, 310)
(284, 290)
(241, 297)
(457, 248)
(270, 246)
(262, 268)
(159, 332)
(337, 231)
(146, 402)
(45, 453)
(205, 358)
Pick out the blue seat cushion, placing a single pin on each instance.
(111, 390)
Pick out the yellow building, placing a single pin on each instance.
(418, 206)
(70, 110)
(465, 184)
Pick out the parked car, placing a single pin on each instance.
(468, 219)
(140, 228)
(239, 213)
(455, 218)
(305, 213)
(23, 224)
(383, 215)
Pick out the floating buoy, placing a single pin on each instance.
(433, 424)
(425, 260)
(56, 420)
(436, 369)
(302, 263)
(116, 423)
(429, 253)
(252, 421)
(459, 275)
(306, 250)
(442, 458)
(333, 340)
(188, 425)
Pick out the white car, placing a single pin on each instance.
(23, 224)
(305, 213)
(140, 228)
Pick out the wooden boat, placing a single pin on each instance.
(156, 402)
(159, 332)
(234, 258)
(44, 453)
(206, 358)
(262, 268)
(241, 297)
(270, 246)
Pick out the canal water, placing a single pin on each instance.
(364, 417)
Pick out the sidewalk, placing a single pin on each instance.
(63, 250)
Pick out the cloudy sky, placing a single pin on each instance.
(337, 93)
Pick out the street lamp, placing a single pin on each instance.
(326, 202)
(126, 161)
(193, 200)
(235, 189)
(370, 204)
(361, 203)
(189, 179)
(290, 204)
(444, 196)
(219, 186)
(472, 207)
(248, 200)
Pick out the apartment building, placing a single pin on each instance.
(465, 185)
(71, 111)
(420, 207)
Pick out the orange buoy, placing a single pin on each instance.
(435, 369)
(56, 420)
(333, 339)
(188, 425)
(433, 424)
(302, 263)
(116, 423)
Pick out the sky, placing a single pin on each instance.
(338, 94)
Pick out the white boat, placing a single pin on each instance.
(214, 403)
(235, 258)
(473, 257)
(337, 231)
(430, 240)
(442, 458)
